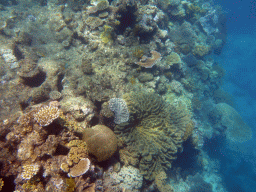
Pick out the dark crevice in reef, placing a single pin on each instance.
(59, 84)
(35, 81)
(187, 160)
(127, 19)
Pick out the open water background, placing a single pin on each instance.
(239, 60)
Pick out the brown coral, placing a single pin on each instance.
(101, 142)
(81, 168)
(149, 62)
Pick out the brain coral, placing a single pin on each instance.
(101, 142)
(237, 130)
(155, 131)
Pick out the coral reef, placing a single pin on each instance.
(201, 50)
(66, 66)
(209, 22)
(155, 129)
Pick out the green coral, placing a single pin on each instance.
(155, 130)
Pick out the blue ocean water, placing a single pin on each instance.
(238, 58)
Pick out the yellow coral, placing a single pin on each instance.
(46, 115)
(77, 153)
(71, 184)
(106, 35)
(34, 185)
(29, 171)
(1, 183)
(77, 143)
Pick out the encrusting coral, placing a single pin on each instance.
(155, 129)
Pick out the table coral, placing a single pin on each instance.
(155, 130)
(81, 168)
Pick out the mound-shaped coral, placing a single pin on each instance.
(155, 130)
(236, 129)
(101, 142)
